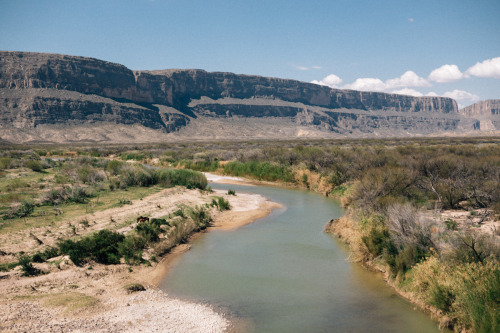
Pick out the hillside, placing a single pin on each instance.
(60, 98)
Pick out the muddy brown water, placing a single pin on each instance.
(283, 274)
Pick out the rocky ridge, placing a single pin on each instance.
(59, 92)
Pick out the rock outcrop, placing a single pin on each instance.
(487, 114)
(39, 90)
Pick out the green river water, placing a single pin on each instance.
(283, 274)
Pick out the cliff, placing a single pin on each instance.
(45, 90)
(486, 112)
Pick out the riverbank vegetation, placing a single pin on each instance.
(63, 189)
(426, 211)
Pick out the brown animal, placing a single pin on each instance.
(142, 219)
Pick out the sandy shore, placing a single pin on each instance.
(92, 298)
(213, 178)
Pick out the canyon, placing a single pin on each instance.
(61, 98)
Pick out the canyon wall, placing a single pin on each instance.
(38, 89)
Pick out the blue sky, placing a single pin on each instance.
(446, 48)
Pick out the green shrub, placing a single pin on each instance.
(134, 155)
(223, 204)
(201, 218)
(376, 240)
(477, 298)
(66, 194)
(179, 212)
(5, 267)
(25, 209)
(27, 266)
(131, 248)
(405, 258)
(204, 165)
(159, 222)
(231, 192)
(149, 231)
(34, 165)
(260, 170)
(114, 167)
(134, 287)
(451, 224)
(101, 247)
(441, 297)
(188, 178)
(89, 175)
(5, 163)
(49, 252)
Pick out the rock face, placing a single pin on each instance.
(489, 107)
(486, 112)
(49, 90)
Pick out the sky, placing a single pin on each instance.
(438, 47)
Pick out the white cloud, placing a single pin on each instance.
(446, 73)
(408, 91)
(461, 95)
(304, 68)
(367, 84)
(301, 68)
(332, 81)
(432, 94)
(488, 68)
(408, 79)
(411, 20)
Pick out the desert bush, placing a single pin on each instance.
(89, 175)
(131, 248)
(441, 296)
(34, 165)
(101, 247)
(199, 165)
(221, 203)
(380, 187)
(134, 287)
(179, 212)
(467, 292)
(134, 155)
(27, 266)
(451, 224)
(477, 296)
(188, 178)
(260, 170)
(5, 163)
(149, 231)
(49, 252)
(376, 236)
(25, 209)
(67, 194)
(159, 222)
(114, 167)
(201, 217)
(15, 184)
(469, 246)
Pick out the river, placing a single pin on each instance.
(283, 274)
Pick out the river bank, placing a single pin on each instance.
(418, 284)
(101, 298)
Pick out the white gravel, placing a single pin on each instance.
(148, 311)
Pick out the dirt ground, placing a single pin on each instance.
(93, 297)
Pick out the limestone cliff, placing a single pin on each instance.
(49, 89)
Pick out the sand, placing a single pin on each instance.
(93, 297)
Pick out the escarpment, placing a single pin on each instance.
(52, 92)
